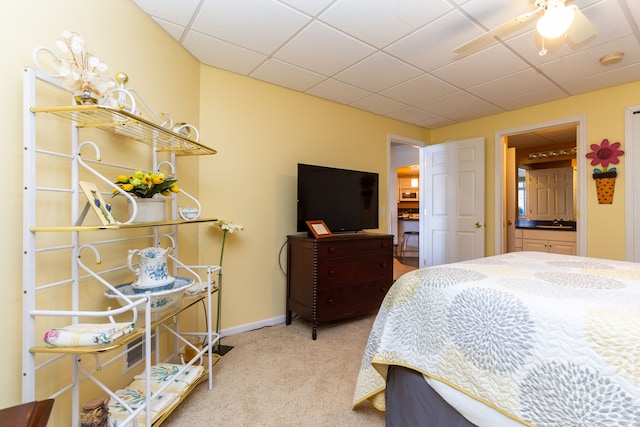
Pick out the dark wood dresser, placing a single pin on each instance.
(337, 277)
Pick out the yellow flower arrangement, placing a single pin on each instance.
(146, 185)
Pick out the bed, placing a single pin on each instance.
(520, 339)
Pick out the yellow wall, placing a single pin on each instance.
(604, 111)
(262, 132)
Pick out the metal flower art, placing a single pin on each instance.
(605, 154)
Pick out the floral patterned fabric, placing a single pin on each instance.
(84, 334)
(134, 394)
(549, 340)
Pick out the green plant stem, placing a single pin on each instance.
(224, 237)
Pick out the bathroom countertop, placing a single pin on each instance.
(545, 224)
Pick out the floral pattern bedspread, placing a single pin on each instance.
(549, 340)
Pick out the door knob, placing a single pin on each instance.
(478, 225)
(509, 222)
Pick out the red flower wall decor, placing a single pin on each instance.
(605, 154)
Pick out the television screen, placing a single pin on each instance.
(346, 200)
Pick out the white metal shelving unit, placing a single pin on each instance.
(56, 236)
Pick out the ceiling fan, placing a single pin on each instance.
(556, 20)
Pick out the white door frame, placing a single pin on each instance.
(500, 192)
(632, 201)
(392, 182)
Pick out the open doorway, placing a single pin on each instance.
(543, 146)
(404, 199)
(408, 211)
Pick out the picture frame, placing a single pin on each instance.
(319, 229)
(97, 203)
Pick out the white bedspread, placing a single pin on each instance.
(548, 340)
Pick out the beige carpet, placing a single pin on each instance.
(279, 376)
(399, 269)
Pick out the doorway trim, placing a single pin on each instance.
(392, 181)
(632, 202)
(500, 177)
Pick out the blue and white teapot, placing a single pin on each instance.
(152, 271)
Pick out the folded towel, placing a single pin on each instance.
(135, 398)
(164, 372)
(174, 387)
(84, 334)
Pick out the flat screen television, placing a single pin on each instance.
(346, 200)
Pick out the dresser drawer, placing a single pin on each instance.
(337, 277)
(351, 300)
(343, 271)
(355, 247)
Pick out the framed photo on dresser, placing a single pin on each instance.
(319, 229)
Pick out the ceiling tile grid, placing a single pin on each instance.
(396, 57)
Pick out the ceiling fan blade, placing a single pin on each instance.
(581, 29)
(501, 30)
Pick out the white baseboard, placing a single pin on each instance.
(252, 326)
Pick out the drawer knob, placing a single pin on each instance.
(383, 289)
(383, 264)
(332, 250)
(331, 272)
(330, 301)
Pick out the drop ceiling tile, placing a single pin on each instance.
(260, 25)
(525, 81)
(174, 30)
(170, 10)
(412, 115)
(378, 72)
(416, 90)
(449, 104)
(468, 113)
(586, 61)
(492, 13)
(286, 75)
(435, 122)
(378, 104)
(432, 46)
(221, 54)
(298, 43)
(339, 92)
(398, 18)
(311, 7)
(521, 99)
(324, 50)
(489, 64)
(613, 77)
(634, 8)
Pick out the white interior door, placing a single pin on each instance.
(452, 202)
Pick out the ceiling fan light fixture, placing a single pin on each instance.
(555, 22)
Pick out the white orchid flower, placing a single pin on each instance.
(79, 69)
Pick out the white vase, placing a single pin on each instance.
(150, 210)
